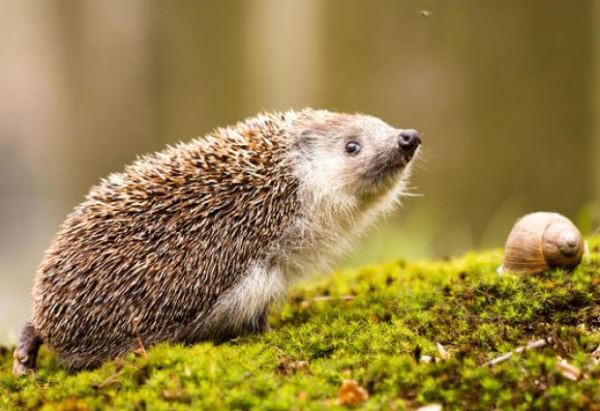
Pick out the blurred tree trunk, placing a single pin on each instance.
(595, 159)
(33, 118)
(199, 66)
(33, 122)
(110, 66)
(282, 54)
(528, 110)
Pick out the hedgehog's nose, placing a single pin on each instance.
(409, 140)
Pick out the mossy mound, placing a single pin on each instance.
(379, 325)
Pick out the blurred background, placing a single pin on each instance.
(506, 94)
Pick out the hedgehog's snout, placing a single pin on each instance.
(408, 142)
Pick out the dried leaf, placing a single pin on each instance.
(288, 367)
(140, 352)
(568, 371)
(175, 394)
(444, 355)
(302, 366)
(350, 393)
(426, 359)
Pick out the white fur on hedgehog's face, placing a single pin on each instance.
(357, 157)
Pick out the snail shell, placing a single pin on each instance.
(540, 241)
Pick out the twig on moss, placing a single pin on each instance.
(141, 349)
(534, 344)
(333, 298)
(108, 381)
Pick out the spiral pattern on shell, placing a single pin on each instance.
(540, 241)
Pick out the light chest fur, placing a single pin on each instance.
(247, 301)
(329, 234)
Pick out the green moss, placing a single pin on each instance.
(399, 311)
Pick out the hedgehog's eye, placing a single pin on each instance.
(352, 148)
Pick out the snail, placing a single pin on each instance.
(540, 241)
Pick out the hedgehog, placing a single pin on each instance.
(196, 242)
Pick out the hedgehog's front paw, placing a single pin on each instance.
(262, 323)
(22, 364)
(258, 325)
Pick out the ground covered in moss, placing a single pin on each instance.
(409, 334)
